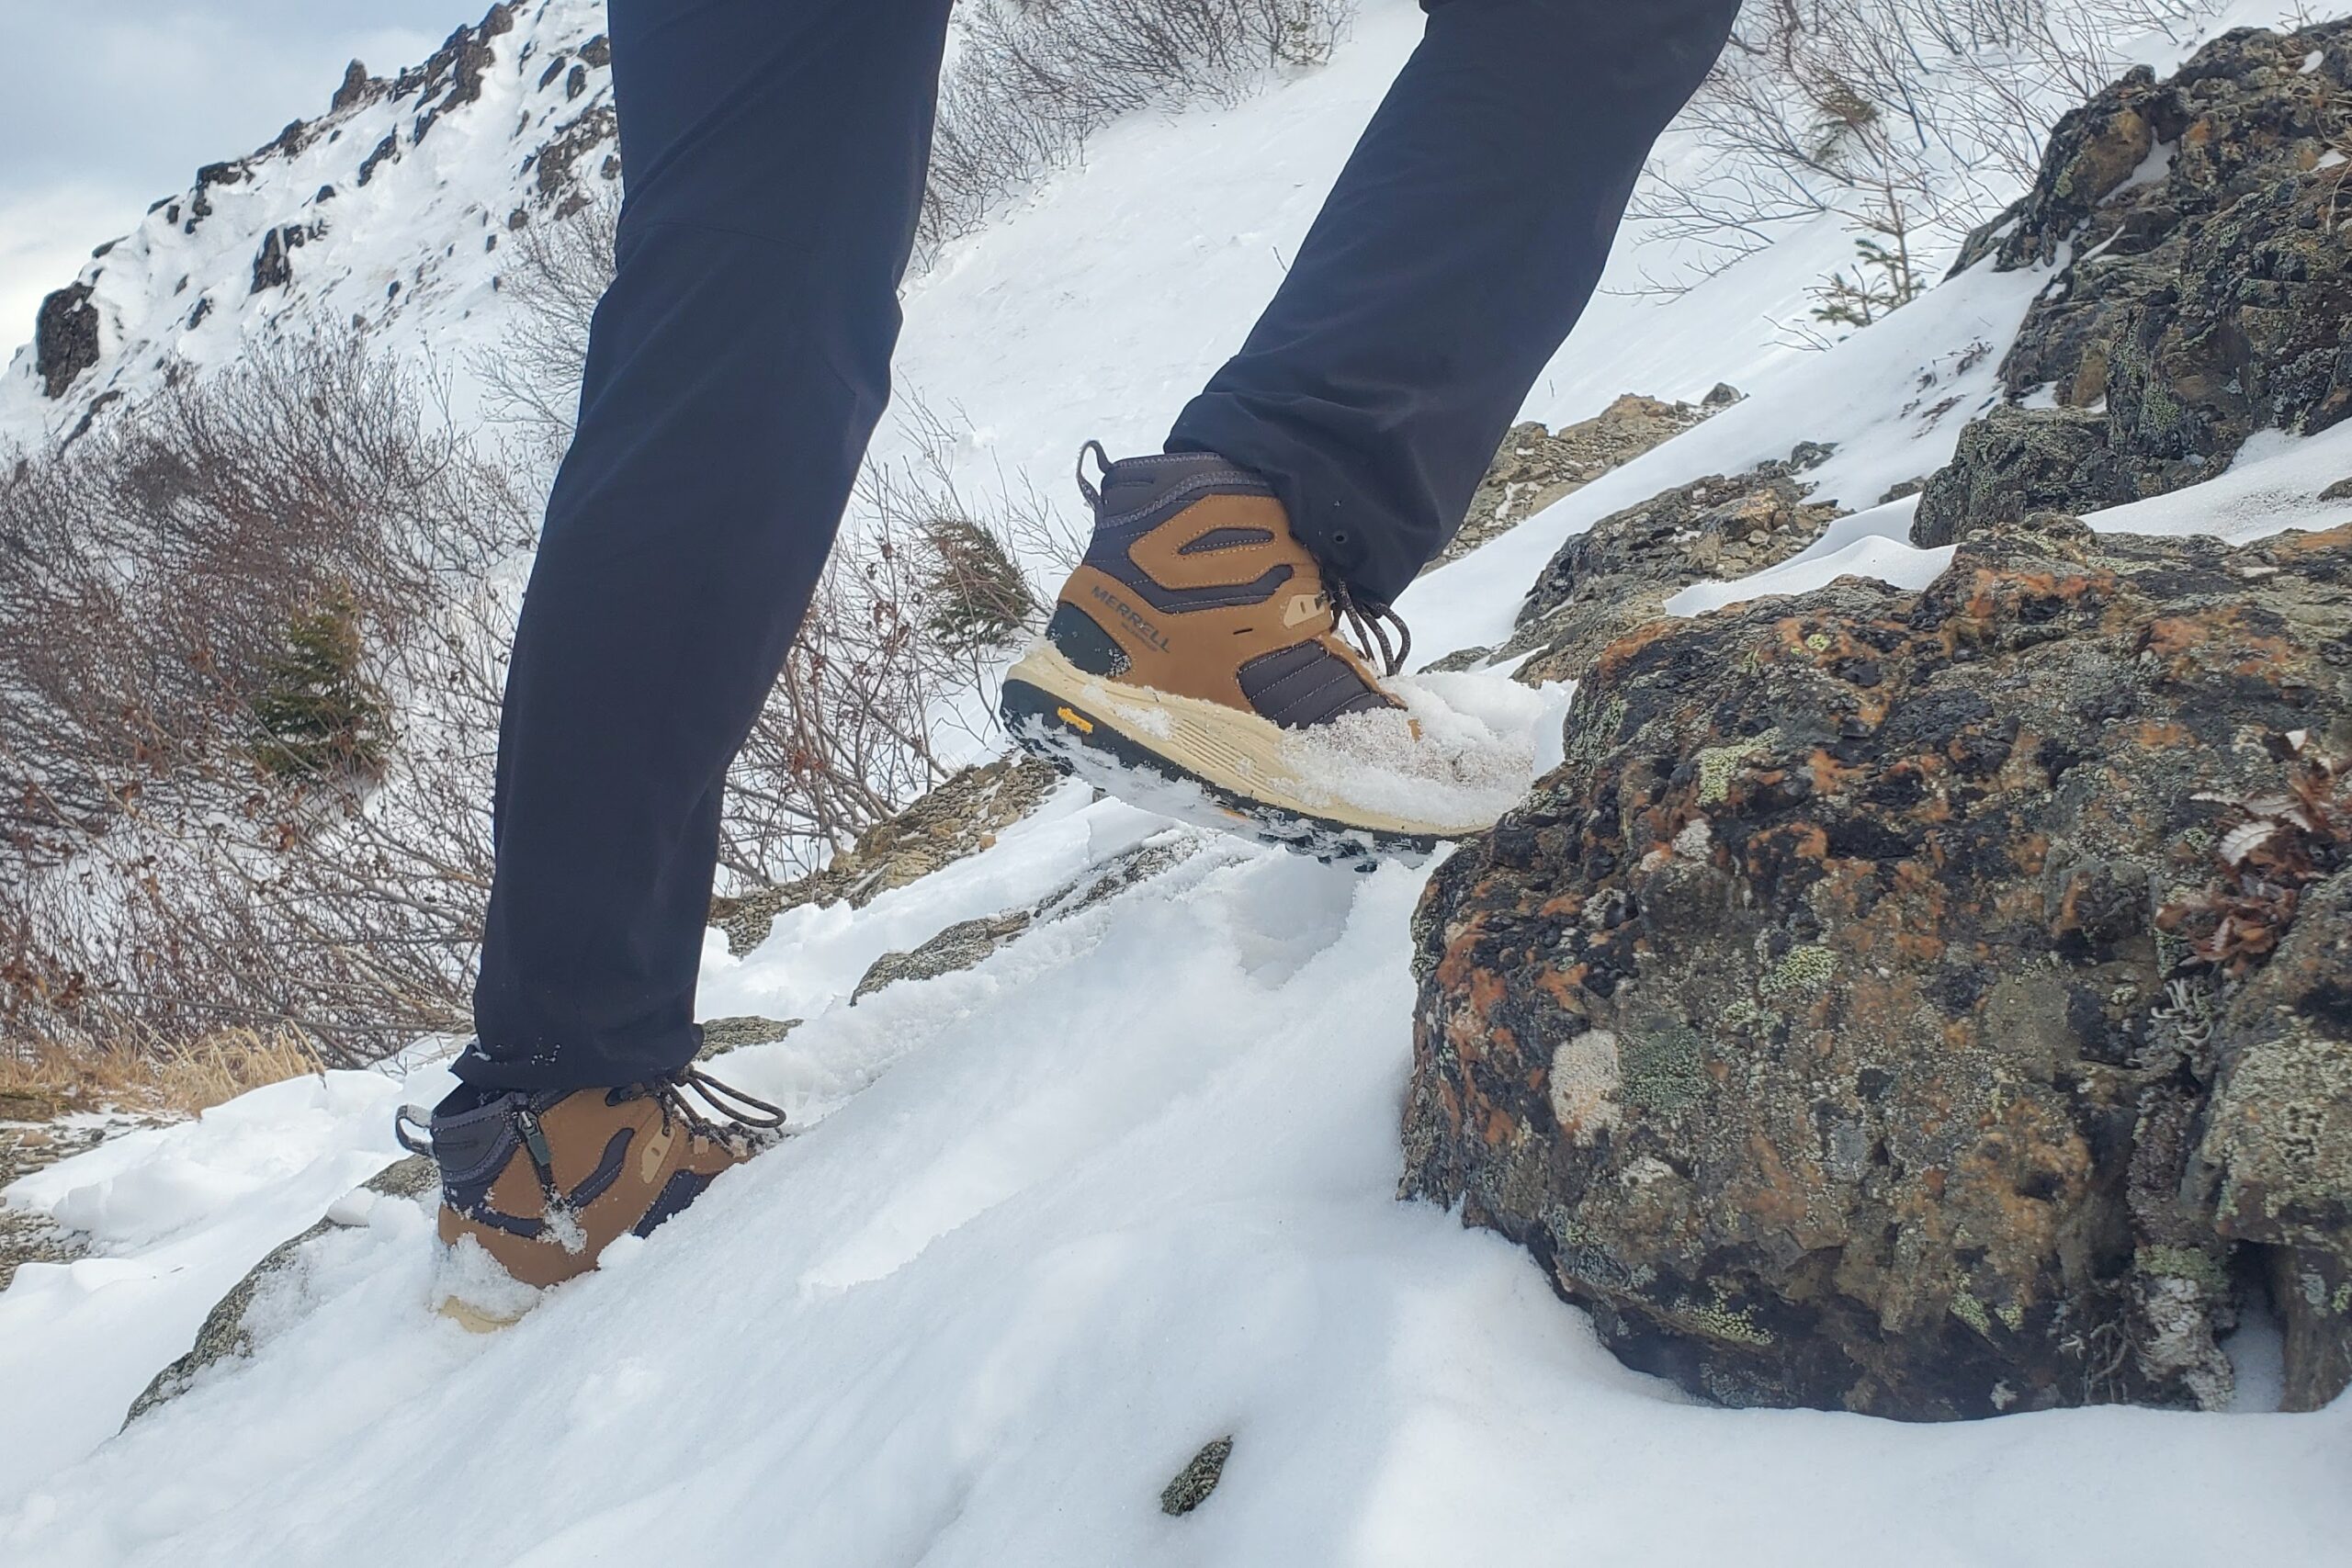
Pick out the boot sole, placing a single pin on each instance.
(1197, 761)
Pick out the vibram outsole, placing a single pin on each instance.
(1083, 740)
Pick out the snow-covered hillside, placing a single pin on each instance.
(385, 213)
(1128, 1186)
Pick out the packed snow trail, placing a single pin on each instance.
(1126, 1187)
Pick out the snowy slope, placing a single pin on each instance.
(387, 213)
(1128, 1186)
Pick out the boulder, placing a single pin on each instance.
(2205, 289)
(1870, 1015)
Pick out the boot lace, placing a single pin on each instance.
(1367, 622)
(730, 1113)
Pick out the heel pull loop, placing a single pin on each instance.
(1103, 460)
(415, 1116)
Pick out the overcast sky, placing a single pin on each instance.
(106, 104)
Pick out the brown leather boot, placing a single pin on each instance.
(541, 1184)
(1194, 643)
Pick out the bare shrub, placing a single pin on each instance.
(896, 660)
(250, 660)
(1926, 114)
(559, 273)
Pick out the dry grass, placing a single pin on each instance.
(40, 1082)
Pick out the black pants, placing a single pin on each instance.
(775, 151)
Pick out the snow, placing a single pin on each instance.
(1129, 1185)
(1126, 1187)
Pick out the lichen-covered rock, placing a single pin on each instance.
(1536, 467)
(1617, 575)
(961, 946)
(1815, 1023)
(720, 1035)
(2277, 1154)
(961, 817)
(1192, 1485)
(2207, 285)
(2014, 463)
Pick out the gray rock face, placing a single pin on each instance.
(225, 1334)
(1615, 578)
(65, 338)
(966, 944)
(720, 1035)
(1897, 1002)
(961, 946)
(1536, 467)
(961, 817)
(2208, 296)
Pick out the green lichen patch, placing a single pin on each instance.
(1718, 764)
(1971, 1311)
(1741, 1014)
(1802, 972)
(1722, 1321)
(1661, 1068)
(2198, 1268)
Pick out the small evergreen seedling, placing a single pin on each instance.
(317, 717)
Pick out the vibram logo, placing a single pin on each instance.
(1128, 614)
(1304, 607)
(1071, 717)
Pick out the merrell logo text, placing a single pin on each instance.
(1126, 612)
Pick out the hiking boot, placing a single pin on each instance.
(1194, 657)
(541, 1182)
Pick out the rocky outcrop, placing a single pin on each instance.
(961, 817)
(2206, 289)
(227, 1330)
(1926, 1004)
(966, 944)
(2013, 463)
(460, 65)
(65, 338)
(1617, 575)
(1536, 467)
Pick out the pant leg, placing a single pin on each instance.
(774, 152)
(1461, 243)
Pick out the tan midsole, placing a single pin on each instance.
(474, 1319)
(1236, 750)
